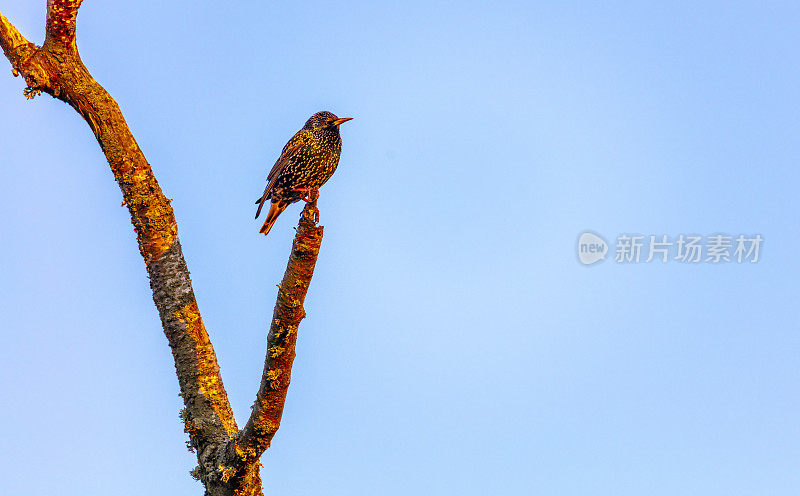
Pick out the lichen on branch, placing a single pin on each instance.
(267, 409)
(227, 458)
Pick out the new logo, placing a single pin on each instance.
(591, 248)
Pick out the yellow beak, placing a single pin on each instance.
(341, 121)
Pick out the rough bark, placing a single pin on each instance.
(227, 459)
(265, 417)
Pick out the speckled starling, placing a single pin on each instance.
(306, 162)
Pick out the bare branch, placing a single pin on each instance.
(60, 26)
(268, 407)
(15, 46)
(10, 38)
(228, 458)
(56, 69)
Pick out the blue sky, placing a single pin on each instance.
(454, 344)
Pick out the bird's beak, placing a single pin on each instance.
(341, 121)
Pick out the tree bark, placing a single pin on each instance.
(227, 458)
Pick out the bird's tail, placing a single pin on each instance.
(275, 210)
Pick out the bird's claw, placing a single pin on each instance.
(311, 194)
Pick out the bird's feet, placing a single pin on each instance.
(311, 194)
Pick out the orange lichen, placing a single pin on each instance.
(268, 409)
(55, 68)
(273, 376)
(208, 378)
(151, 211)
(226, 472)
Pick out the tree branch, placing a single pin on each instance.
(60, 24)
(228, 458)
(56, 69)
(15, 46)
(10, 38)
(267, 410)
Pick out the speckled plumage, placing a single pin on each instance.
(307, 161)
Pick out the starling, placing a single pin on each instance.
(306, 162)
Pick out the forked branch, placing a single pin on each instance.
(228, 459)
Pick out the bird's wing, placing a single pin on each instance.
(291, 148)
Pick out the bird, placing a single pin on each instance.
(307, 161)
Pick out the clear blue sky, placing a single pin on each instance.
(454, 344)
